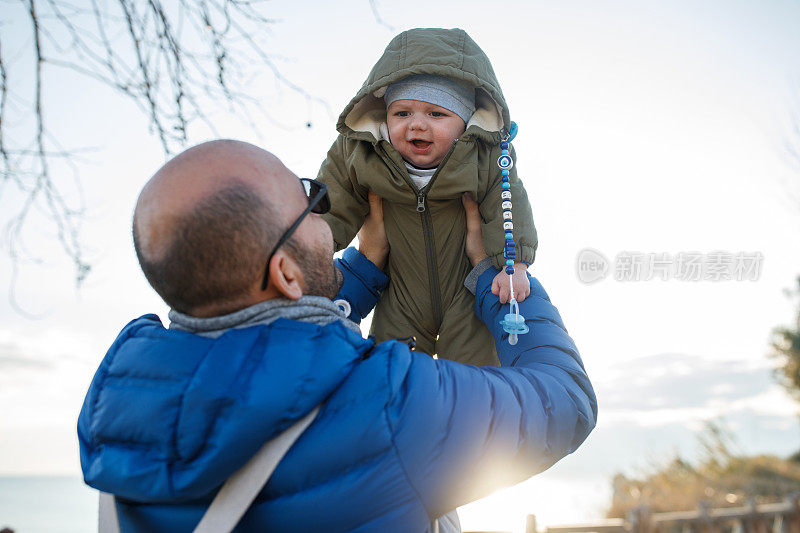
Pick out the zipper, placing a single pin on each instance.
(427, 231)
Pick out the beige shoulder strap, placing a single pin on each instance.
(238, 492)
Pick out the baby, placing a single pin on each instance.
(424, 129)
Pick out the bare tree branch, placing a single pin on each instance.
(3, 102)
(791, 144)
(137, 48)
(374, 6)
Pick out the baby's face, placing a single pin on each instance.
(422, 132)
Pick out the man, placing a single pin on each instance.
(231, 241)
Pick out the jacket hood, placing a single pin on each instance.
(450, 53)
(170, 415)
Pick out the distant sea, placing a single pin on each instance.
(47, 505)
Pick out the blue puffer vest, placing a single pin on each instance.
(400, 439)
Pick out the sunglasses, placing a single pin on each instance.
(318, 202)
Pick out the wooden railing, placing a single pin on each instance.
(781, 517)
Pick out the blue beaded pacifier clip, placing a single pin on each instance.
(513, 323)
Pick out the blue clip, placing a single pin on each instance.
(514, 324)
(512, 131)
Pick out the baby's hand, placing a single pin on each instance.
(522, 287)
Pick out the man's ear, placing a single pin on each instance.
(285, 276)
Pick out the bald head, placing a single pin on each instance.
(205, 222)
(196, 175)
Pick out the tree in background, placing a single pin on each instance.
(786, 349)
(721, 477)
(175, 60)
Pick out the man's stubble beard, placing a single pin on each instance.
(321, 275)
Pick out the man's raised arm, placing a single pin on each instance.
(361, 269)
(467, 431)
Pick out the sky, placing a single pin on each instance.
(644, 128)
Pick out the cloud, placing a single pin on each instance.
(13, 356)
(652, 407)
(629, 446)
(42, 377)
(655, 386)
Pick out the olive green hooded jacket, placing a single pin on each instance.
(426, 227)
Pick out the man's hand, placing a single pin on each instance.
(522, 286)
(473, 245)
(372, 241)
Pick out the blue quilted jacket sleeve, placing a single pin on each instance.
(363, 283)
(467, 431)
